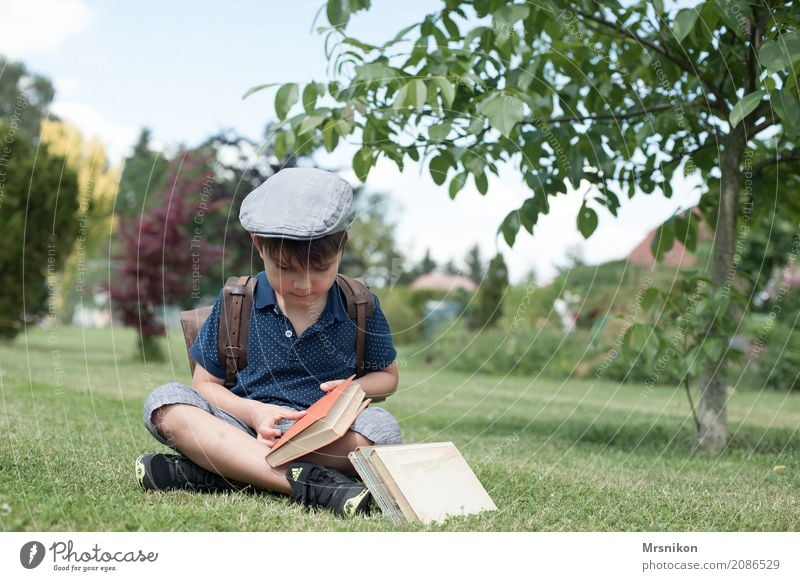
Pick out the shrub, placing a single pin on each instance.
(547, 351)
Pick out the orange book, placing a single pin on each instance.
(324, 422)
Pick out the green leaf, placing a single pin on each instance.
(362, 163)
(510, 227)
(338, 12)
(438, 168)
(685, 229)
(737, 16)
(575, 166)
(401, 96)
(587, 221)
(779, 54)
(258, 88)
(529, 213)
(343, 127)
(683, 24)
(286, 98)
(378, 72)
(310, 97)
(713, 349)
(649, 298)
(787, 108)
(482, 183)
(412, 93)
(476, 125)
(439, 132)
(417, 93)
(508, 15)
(502, 111)
(746, 106)
(309, 123)
(637, 336)
(446, 90)
(663, 240)
(330, 138)
(284, 143)
(457, 183)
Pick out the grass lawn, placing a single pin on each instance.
(554, 456)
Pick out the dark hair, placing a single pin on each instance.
(316, 252)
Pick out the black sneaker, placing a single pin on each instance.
(173, 472)
(315, 485)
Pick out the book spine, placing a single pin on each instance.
(376, 487)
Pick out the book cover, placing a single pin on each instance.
(325, 421)
(316, 412)
(428, 482)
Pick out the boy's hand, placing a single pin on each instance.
(329, 385)
(264, 418)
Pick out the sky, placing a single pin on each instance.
(181, 68)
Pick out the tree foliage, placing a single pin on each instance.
(38, 200)
(24, 98)
(608, 99)
(142, 175)
(487, 309)
(97, 187)
(163, 252)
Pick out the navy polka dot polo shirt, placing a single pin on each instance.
(286, 370)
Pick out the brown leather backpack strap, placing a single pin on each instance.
(359, 303)
(234, 320)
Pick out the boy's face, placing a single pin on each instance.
(300, 285)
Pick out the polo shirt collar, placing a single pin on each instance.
(265, 297)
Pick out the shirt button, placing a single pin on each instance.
(288, 333)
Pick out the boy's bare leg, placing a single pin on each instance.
(335, 455)
(219, 447)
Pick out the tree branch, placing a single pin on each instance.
(685, 65)
(752, 58)
(757, 167)
(610, 116)
(756, 129)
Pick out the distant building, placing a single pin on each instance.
(643, 256)
(442, 281)
(678, 255)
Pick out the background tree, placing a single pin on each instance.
(142, 175)
(162, 251)
(24, 98)
(611, 98)
(38, 200)
(97, 187)
(474, 264)
(487, 308)
(371, 251)
(426, 264)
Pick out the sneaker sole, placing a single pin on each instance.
(141, 473)
(357, 504)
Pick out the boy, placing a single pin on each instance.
(301, 344)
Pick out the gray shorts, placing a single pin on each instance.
(375, 424)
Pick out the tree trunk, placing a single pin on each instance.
(712, 434)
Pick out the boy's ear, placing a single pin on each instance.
(255, 243)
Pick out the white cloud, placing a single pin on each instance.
(117, 138)
(33, 27)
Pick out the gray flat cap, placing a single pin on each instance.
(300, 204)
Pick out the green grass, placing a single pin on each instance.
(554, 456)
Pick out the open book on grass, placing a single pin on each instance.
(420, 482)
(324, 422)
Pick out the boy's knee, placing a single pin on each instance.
(379, 426)
(160, 401)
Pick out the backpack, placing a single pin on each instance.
(234, 320)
